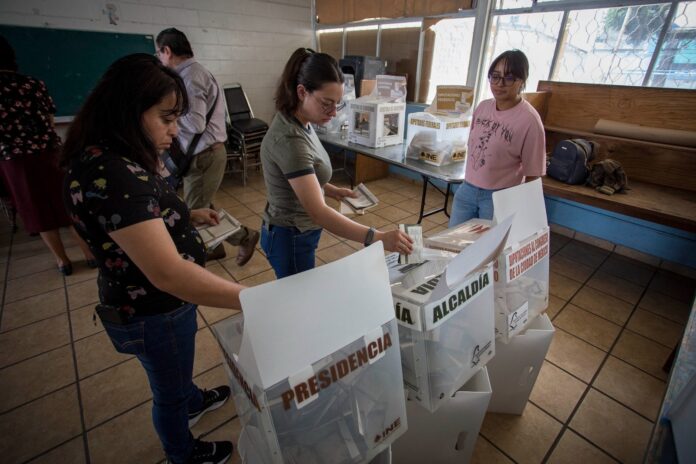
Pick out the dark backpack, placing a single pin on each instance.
(570, 159)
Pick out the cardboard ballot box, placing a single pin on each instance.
(516, 366)
(446, 322)
(522, 270)
(317, 378)
(437, 139)
(449, 435)
(377, 120)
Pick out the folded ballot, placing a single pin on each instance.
(213, 235)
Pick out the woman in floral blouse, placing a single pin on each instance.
(28, 157)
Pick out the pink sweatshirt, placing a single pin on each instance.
(505, 146)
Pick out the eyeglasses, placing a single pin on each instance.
(505, 81)
(329, 106)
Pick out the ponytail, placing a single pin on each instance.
(309, 68)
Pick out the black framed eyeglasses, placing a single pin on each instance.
(505, 81)
(328, 107)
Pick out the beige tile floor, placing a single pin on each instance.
(68, 397)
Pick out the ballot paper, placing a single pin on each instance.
(358, 205)
(415, 231)
(213, 235)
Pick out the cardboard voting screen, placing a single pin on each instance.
(327, 307)
(526, 202)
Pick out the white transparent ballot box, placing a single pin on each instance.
(317, 378)
(446, 320)
(437, 139)
(522, 270)
(377, 120)
(346, 410)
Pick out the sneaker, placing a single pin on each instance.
(212, 399)
(209, 452)
(247, 248)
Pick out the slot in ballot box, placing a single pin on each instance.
(447, 436)
(446, 321)
(314, 365)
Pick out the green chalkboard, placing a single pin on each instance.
(70, 62)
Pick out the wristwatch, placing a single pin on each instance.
(369, 237)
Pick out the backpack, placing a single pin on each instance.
(608, 177)
(570, 159)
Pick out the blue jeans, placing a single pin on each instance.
(471, 202)
(165, 346)
(288, 250)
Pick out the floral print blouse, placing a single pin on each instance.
(105, 192)
(25, 116)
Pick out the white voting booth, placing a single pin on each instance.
(314, 365)
(446, 323)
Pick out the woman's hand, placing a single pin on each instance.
(395, 240)
(203, 216)
(341, 193)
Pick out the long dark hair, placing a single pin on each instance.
(112, 114)
(309, 68)
(516, 64)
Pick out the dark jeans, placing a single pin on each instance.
(288, 250)
(165, 346)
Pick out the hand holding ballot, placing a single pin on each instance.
(214, 227)
(357, 201)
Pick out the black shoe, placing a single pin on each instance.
(65, 269)
(212, 399)
(210, 452)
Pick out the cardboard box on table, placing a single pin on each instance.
(377, 120)
(446, 322)
(447, 436)
(314, 365)
(522, 270)
(515, 368)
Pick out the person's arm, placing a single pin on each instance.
(194, 121)
(158, 258)
(309, 193)
(533, 154)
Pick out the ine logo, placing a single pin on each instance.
(478, 351)
(388, 431)
(514, 320)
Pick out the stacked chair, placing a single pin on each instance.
(244, 132)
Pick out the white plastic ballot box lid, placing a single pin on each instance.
(526, 201)
(483, 251)
(295, 321)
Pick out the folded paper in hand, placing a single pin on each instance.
(213, 235)
(358, 205)
(415, 231)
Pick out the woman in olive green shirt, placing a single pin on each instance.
(297, 169)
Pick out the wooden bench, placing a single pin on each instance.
(661, 177)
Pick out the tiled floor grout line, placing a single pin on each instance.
(564, 426)
(85, 440)
(7, 273)
(574, 431)
(590, 384)
(481, 435)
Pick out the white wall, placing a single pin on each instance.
(245, 41)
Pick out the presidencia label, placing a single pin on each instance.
(437, 313)
(523, 258)
(306, 384)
